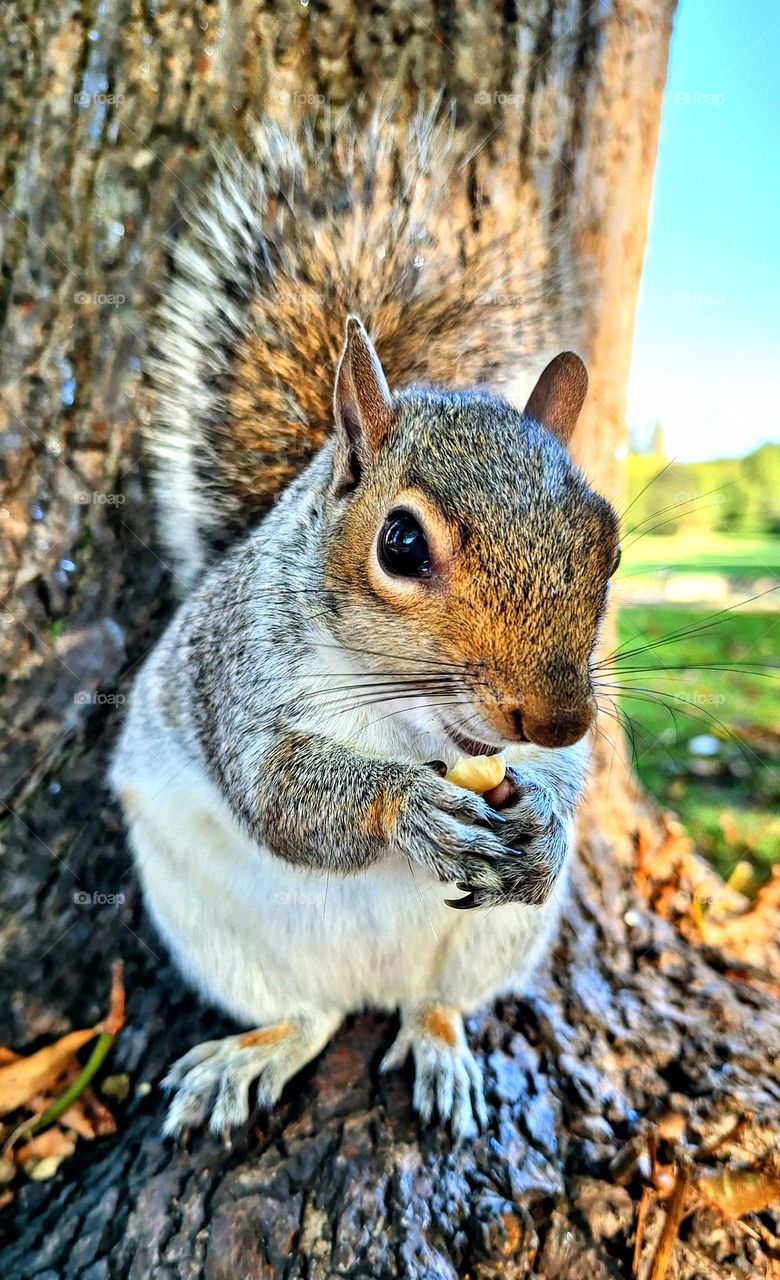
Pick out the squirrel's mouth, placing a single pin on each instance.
(472, 746)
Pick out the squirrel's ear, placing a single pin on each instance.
(559, 395)
(361, 399)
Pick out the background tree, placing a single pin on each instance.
(109, 110)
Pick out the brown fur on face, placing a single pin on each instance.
(522, 550)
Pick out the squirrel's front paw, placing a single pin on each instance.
(453, 833)
(533, 825)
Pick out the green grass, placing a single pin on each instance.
(734, 812)
(700, 551)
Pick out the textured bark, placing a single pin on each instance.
(631, 1019)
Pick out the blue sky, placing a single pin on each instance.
(706, 359)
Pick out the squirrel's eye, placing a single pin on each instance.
(615, 563)
(403, 547)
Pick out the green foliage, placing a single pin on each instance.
(730, 495)
(730, 801)
(695, 551)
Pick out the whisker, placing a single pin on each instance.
(633, 728)
(402, 683)
(662, 524)
(438, 662)
(612, 711)
(645, 488)
(633, 688)
(736, 668)
(340, 704)
(704, 624)
(422, 900)
(674, 506)
(369, 699)
(610, 743)
(439, 703)
(694, 710)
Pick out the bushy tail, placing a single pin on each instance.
(290, 239)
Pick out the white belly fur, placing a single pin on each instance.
(263, 938)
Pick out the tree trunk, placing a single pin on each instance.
(109, 112)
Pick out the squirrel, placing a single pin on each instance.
(376, 583)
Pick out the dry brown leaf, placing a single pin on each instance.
(736, 1192)
(685, 1185)
(88, 1117)
(752, 936)
(23, 1078)
(115, 1018)
(53, 1143)
(681, 887)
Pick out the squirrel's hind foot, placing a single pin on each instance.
(213, 1080)
(447, 1077)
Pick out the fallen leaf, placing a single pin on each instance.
(53, 1143)
(21, 1079)
(115, 1018)
(736, 1192)
(88, 1117)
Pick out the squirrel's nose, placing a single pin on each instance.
(559, 728)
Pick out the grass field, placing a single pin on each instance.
(727, 788)
(702, 552)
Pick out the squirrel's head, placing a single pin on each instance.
(467, 557)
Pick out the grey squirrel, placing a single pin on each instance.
(376, 583)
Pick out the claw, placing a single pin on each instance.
(447, 1078)
(493, 820)
(214, 1081)
(472, 898)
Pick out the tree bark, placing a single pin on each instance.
(109, 112)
